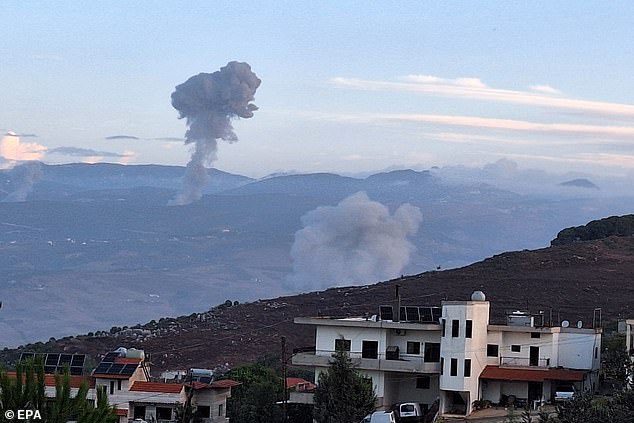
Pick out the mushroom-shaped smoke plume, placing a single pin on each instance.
(209, 101)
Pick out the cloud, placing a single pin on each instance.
(546, 89)
(85, 152)
(473, 88)
(169, 139)
(122, 137)
(626, 132)
(14, 150)
(27, 135)
(356, 241)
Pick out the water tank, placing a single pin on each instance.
(134, 353)
(478, 296)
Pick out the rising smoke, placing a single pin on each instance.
(22, 178)
(209, 101)
(354, 242)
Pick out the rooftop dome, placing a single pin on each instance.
(478, 296)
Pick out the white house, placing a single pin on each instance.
(453, 354)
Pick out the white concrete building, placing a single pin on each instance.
(459, 358)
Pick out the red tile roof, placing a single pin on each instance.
(121, 412)
(530, 375)
(165, 388)
(75, 380)
(299, 383)
(224, 383)
(107, 376)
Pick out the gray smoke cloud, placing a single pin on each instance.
(357, 241)
(23, 177)
(209, 101)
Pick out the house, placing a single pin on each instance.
(629, 337)
(453, 353)
(125, 376)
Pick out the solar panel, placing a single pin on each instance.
(77, 371)
(78, 360)
(412, 314)
(65, 359)
(51, 359)
(128, 369)
(109, 358)
(425, 314)
(50, 369)
(102, 368)
(26, 356)
(386, 313)
(115, 368)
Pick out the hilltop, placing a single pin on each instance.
(573, 279)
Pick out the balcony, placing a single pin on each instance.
(524, 362)
(406, 364)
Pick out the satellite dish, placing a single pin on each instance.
(579, 324)
(565, 324)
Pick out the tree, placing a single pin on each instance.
(342, 394)
(255, 400)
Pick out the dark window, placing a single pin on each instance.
(204, 411)
(342, 344)
(163, 413)
(442, 327)
(516, 348)
(413, 347)
(432, 352)
(492, 350)
(596, 352)
(139, 412)
(442, 365)
(468, 329)
(119, 385)
(111, 387)
(536, 335)
(221, 410)
(467, 367)
(455, 328)
(454, 367)
(370, 349)
(423, 382)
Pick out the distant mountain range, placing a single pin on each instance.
(95, 246)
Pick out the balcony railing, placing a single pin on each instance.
(405, 363)
(524, 362)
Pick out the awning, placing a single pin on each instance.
(530, 374)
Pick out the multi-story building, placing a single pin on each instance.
(452, 353)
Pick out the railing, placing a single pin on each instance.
(405, 363)
(524, 362)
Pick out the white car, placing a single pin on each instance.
(565, 393)
(383, 417)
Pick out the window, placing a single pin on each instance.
(413, 347)
(535, 335)
(467, 367)
(516, 348)
(119, 385)
(492, 350)
(342, 344)
(442, 365)
(455, 328)
(468, 330)
(454, 367)
(432, 352)
(111, 387)
(221, 410)
(139, 412)
(423, 382)
(369, 349)
(163, 413)
(204, 411)
(596, 352)
(442, 327)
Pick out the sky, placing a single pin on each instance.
(347, 87)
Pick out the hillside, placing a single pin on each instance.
(573, 279)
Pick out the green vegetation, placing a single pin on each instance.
(254, 401)
(26, 391)
(342, 394)
(597, 229)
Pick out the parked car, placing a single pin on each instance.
(383, 417)
(565, 393)
(409, 412)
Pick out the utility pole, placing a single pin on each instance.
(285, 399)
